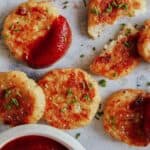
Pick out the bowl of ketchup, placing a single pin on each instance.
(37, 137)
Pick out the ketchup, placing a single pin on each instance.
(51, 47)
(33, 142)
(147, 116)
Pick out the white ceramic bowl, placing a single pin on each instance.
(42, 130)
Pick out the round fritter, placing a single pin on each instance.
(25, 25)
(21, 99)
(124, 117)
(71, 98)
(144, 42)
(119, 57)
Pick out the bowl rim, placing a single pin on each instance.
(40, 130)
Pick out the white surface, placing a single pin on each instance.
(40, 130)
(93, 136)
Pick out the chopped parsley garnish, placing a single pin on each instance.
(128, 31)
(82, 55)
(102, 83)
(112, 120)
(109, 8)
(66, 2)
(16, 30)
(15, 101)
(110, 40)
(127, 44)
(123, 25)
(123, 6)
(95, 11)
(84, 2)
(65, 7)
(94, 48)
(73, 101)
(11, 103)
(7, 92)
(99, 114)
(5, 36)
(63, 110)
(148, 83)
(86, 97)
(77, 135)
(114, 4)
(69, 92)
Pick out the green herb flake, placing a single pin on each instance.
(100, 113)
(7, 92)
(123, 6)
(73, 101)
(128, 31)
(63, 110)
(114, 4)
(112, 120)
(94, 48)
(109, 8)
(148, 83)
(5, 36)
(110, 40)
(95, 11)
(66, 2)
(8, 106)
(15, 102)
(82, 55)
(16, 30)
(102, 83)
(69, 92)
(86, 97)
(97, 118)
(65, 7)
(123, 25)
(127, 44)
(77, 135)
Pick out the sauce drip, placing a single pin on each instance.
(33, 142)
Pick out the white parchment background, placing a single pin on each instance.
(93, 136)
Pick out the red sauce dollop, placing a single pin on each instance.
(33, 142)
(48, 49)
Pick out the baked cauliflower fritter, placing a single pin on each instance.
(22, 101)
(119, 57)
(107, 12)
(144, 42)
(72, 98)
(124, 116)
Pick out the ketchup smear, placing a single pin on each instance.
(147, 116)
(48, 49)
(33, 142)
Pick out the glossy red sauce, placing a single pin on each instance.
(33, 142)
(147, 116)
(142, 106)
(48, 49)
(11, 113)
